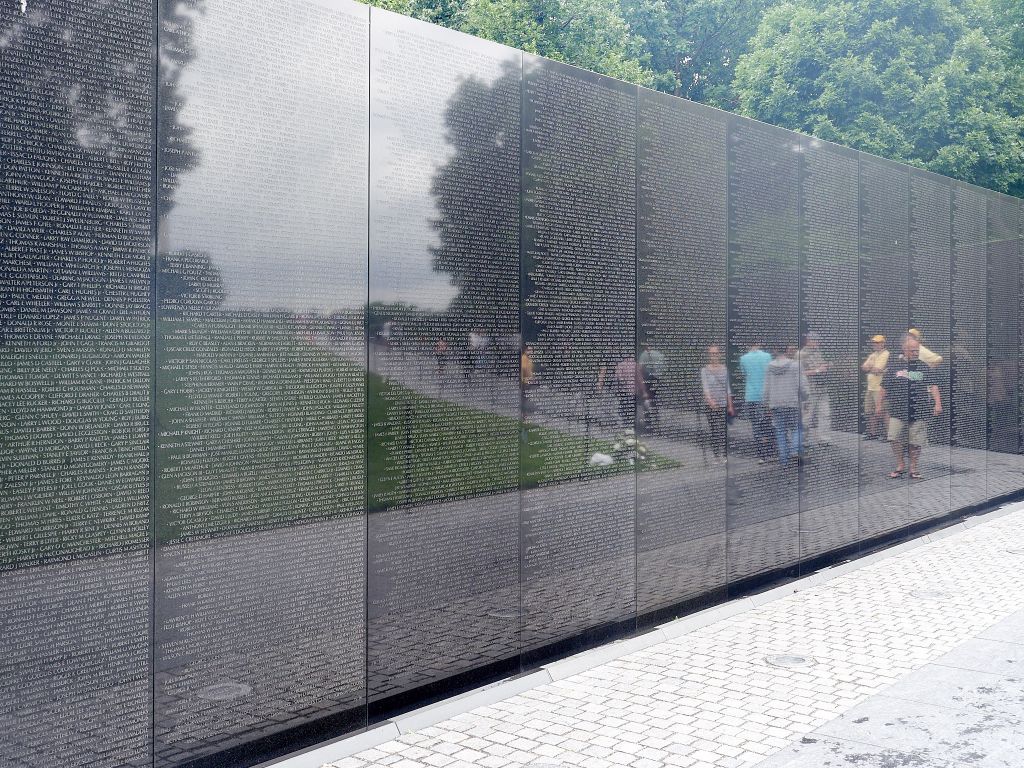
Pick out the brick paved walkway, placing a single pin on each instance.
(710, 698)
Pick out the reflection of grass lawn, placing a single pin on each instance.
(257, 429)
(422, 448)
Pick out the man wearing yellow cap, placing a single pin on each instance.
(929, 358)
(874, 367)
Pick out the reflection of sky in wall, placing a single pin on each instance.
(417, 70)
(277, 99)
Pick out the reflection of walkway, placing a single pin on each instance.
(256, 633)
(900, 636)
(445, 573)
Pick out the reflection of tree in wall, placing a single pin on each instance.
(186, 279)
(75, 134)
(477, 195)
(76, 245)
(78, 136)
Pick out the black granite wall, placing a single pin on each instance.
(347, 361)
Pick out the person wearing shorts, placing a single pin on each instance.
(911, 390)
(874, 366)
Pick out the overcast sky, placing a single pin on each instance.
(277, 98)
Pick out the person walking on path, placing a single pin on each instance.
(714, 380)
(782, 387)
(911, 389)
(874, 366)
(754, 365)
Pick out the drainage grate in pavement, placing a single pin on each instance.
(224, 691)
(789, 660)
(930, 594)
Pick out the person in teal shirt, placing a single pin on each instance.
(754, 365)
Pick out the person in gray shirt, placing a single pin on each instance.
(783, 387)
(714, 381)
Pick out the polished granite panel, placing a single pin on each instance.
(884, 310)
(444, 355)
(681, 280)
(931, 239)
(347, 361)
(829, 297)
(763, 500)
(76, 234)
(579, 317)
(260, 379)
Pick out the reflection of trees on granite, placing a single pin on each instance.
(178, 153)
(76, 251)
(479, 246)
(75, 135)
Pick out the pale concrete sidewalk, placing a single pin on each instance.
(765, 686)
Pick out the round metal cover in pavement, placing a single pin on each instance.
(789, 660)
(224, 691)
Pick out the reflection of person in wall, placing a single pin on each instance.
(441, 358)
(527, 377)
(476, 348)
(754, 365)
(629, 386)
(929, 358)
(714, 381)
(387, 333)
(652, 364)
(910, 387)
(874, 366)
(783, 385)
(818, 419)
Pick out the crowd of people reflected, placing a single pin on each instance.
(784, 394)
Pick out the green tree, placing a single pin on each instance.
(920, 81)
(694, 44)
(586, 33)
(592, 34)
(447, 13)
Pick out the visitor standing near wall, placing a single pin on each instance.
(629, 386)
(652, 363)
(714, 380)
(911, 388)
(818, 418)
(874, 366)
(527, 378)
(782, 391)
(754, 365)
(929, 358)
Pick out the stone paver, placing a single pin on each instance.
(966, 708)
(708, 699)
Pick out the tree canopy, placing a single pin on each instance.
(935, 83)
(921, 81)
